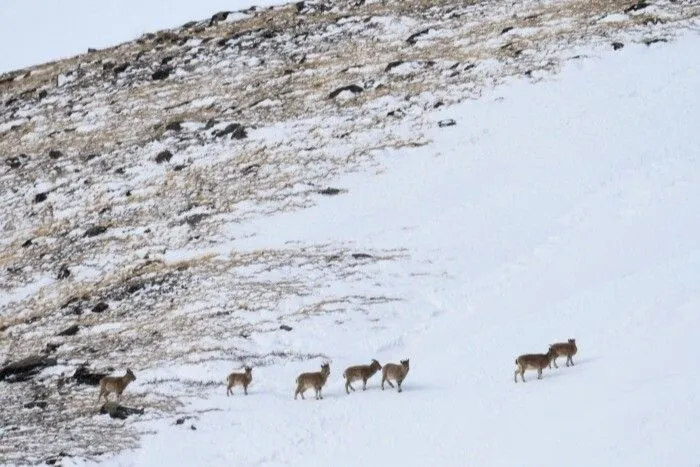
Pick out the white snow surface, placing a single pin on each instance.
(51, 30)
(567, 208)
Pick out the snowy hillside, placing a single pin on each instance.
(259, 188)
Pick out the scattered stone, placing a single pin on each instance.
(100, 307)
(617, 45)
(648, 42)
(120, 171)
(413, 38)
(180, 421)
(161, 73)
(507, 29)
(40, 197)
(63, 272)
(13, 162)
(42, 94)
(83, 375)
(55, 154)
(284, 327)
(95, 230)
(447, 122)
(25, 368)
(174, 126)
(70, 331)
(236, 131)
(27, 244)
(361, 256)
(218, 17)
(119, 411)
(195, 219)
(252, 168)
(393, 65)
(640, 5)
(33, 404)
(330, 191)
(51, 347)
(164, 156)
(120, 68)
(354, 88)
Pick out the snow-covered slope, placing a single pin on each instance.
(350, 180)
(562, 209)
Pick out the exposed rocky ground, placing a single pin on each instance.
(126, 174)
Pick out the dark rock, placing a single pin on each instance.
(210, 124)
(63, 272)
(120, 68)
(648, 42)
(354, 88)
(166, 60)
(284, 327)
(51, 347)
(33, 404)
(299, 6)
(361, 256)
(640, 5)
(27, 244)
(120, 171)
(180, 421)
(179, 167)
(217, 17)
(195, 219)
(438, 104)
(119, 411)
(193, 428)
(55, 154)
(26, 367)
(42, 94)
(189, 24)
(40, 197)
(133, 288)
(100, 307)
(236, 131)
(329, 191)
(617, 45)
(13, 162)
(413, 38)
(252, 168)
(507, 29)
(174, 126)
(393, 65)
(83, 375)
(164, 156)
(447, 122)
(95, 230)
(90, 157)
(161, 73)
(70, 331)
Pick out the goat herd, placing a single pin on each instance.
(390, 372)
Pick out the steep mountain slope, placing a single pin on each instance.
(169, 203)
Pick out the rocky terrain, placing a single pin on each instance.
(128, 176)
